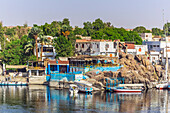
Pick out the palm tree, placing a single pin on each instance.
(43, 40)
(35, 32)
(29, 47)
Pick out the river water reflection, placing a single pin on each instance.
(42, 99)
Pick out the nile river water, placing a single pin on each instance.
(42, 99)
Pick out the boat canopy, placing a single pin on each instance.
(73, 85)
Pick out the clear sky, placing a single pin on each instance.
(121, 13)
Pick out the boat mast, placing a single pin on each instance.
(166, 68)
(166, 71)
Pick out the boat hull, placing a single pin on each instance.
(128, 90)
(85, 91)
(162, 86)
(123, 90)
(13, 84)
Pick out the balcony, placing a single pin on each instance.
(47, 54)
(36, 68)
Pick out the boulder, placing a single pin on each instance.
(138, 58)
(92, 81)
(129, 56)
(157, 68)
(135, 79)
(141, 79)
(128, 80)
(108, 74)
(127, 62)
(121, 55)
(98, 85)
(122, 72)
(150, 68)
(141, 72)
(145, 61)
(122, 61)
(143, 67)
(92, 74)
(99, 77)
(137, 67)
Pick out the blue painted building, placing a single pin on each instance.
(73, 68)
(86, 63)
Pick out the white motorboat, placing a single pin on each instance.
(84, 86)
(163, 85)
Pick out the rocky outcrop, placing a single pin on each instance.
(136, 69)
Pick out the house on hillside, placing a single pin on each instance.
(146, 36)
(98, 47)
(48, 49)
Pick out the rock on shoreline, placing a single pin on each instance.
(137, 69)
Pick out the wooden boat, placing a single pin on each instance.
(84, 86)
(73, 88)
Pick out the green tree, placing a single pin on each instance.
(166, 28)
(29, 47)
(157, 31)
(66, 22)
(35, 31)
(98, 24)
(140, 29)
(63, 47)
(78, 31)
(88, 29)
(2, 34)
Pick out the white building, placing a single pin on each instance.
(48, 49)
(146, 36)
(141, 49)
(96, 47)
(154, 57)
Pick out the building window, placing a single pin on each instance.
(157, 45)
(82, 45)
(150, 46)
(107, 46)
(154, 45)
(76, 45)
(97, 45)
(47, 49)
(146, 35)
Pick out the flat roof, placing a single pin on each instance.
(16, 66)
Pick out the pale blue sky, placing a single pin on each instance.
(121, 13)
